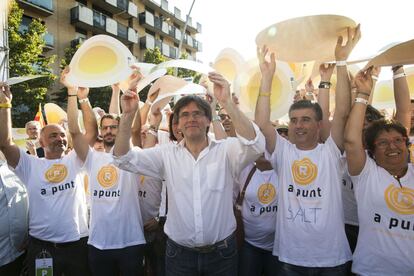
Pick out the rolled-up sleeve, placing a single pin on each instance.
(146, 162)
(242, 152)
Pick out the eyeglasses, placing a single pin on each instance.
(224, 116)
(383, 144)
(110, 126)
(194, 114)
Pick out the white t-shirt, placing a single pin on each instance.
(57, 211)
(349, 201)
(386, 222)
(259, 207)
(310, 225)
(199, 190)
(115, 212)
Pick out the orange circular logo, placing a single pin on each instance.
(400, 200)
(304, 171)
(266, 193)
(107, 176)
(56, 173)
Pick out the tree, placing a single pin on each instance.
(26, 58)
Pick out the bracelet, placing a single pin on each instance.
(264, 94)
(153, 133)
(363, 93)
(309, 93)
(5, 105)
(374, 77)
(216, 118)
(69, 95)
(148, 102)
(361, 100)
(340, 63)
(324, 85)
(81, 101)
(396, 67)
(397, 76)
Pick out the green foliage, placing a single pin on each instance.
(26, 58)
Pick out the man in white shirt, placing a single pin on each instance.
(57, 212)
(199, 175)
(116, 239)
(310, 236)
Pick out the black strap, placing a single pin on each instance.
(240, 197)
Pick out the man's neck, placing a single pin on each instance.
(196, 146)
(108, 148)
(52, 156)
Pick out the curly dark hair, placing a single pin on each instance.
(379, 126)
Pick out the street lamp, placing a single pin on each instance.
(180, 45)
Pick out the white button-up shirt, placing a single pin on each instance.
(200, 204)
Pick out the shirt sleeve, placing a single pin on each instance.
(277, 154)
(241, 152)
(147, 162)
(360, 181)
(23, 168)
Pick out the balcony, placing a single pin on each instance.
(132, 35)
(146, 19)
(99, 20)
(43, 7)
(173, 52)
(132, 11)
(165, 50)
(77, 41)
(122, 31)
(49, 42)
(82, 17)
(147, 42)
(112, 6)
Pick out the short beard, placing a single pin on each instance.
(109, 144)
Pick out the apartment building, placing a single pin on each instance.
(139, 24)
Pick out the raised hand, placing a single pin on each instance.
(64, 81)
(221, 88)
(267, 68)
(129, 102)
(326, 70)
(134, 78)
(363, 81)
(5, 94)
(309, 86)
(342, 52)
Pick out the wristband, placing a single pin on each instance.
(69, 95)
(148, 102)
(309, 93)
(81, 101)
(153, 133)
(374, 77)
(364, 93)
(397, 76)
(264, 94)
(395, 68)
(324, 85)
(361, 100)
(340, 63)
(216, 118)
(5, 105)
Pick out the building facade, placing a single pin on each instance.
(139, 24)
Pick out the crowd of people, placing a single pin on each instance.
(213, 192)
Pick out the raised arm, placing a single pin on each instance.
(262, 112)
(343, 86)
(9, 149)
(402, 97)
(325, 71)
(355, 153)
(114, 107)
(221, 89)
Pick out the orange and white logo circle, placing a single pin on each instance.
(266, 193)
(56, 173)
(107, 176)
(400, 200)
(304, 171)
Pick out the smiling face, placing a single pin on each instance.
(391, 150)
(109, 130)
(54, 141)
(192, 122)
(304, 128)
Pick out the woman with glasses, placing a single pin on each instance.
(384, 189)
